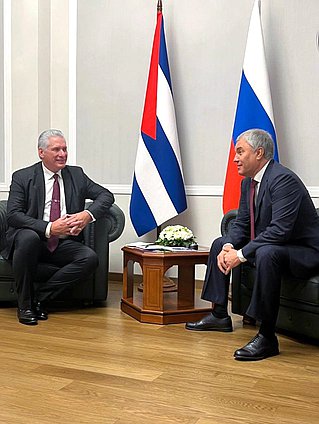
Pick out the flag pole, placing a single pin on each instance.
(159, 10)
(168, 284)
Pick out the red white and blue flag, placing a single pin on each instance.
(254, 105)
(158, 191)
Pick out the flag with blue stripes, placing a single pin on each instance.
(254, 105)
(158, 191)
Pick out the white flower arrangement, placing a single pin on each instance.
(176, 235)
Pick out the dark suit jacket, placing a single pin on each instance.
(285, 215)
(27, 196)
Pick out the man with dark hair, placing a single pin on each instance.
(277, 230)
(46, 217)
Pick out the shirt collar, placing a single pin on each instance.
(49, 174)
(258, 177)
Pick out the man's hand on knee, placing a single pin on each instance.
(231, 260)
(221, 262)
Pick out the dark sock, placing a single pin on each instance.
(267, 330)
(220, 311)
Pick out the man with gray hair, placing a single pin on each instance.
(46, 216)
(276, 230)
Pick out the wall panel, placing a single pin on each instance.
(2, 121)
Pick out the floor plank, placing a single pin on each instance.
(98, 365)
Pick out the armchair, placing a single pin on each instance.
(97, 235)
(299, 300)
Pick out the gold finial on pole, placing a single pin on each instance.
(159, 6)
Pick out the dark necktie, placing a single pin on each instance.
(253, 184)
(55, 212)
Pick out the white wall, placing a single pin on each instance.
(2, 151)
(82, 66)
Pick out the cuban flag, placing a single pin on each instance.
(254, 105)
(158, 191)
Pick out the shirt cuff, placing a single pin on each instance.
(91, 215)
(228, 244)
(48, 230)
(240, 256)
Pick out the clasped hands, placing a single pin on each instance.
(227, 259)
(70, 225)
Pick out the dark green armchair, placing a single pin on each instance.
(299, 300)
(97, 235)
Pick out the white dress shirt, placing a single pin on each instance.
(258, 177)
(48, 183)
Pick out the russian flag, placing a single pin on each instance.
(158, 192)
(254, 105)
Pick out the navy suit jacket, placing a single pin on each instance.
(285, 215)
(27, 196)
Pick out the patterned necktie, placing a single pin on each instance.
(253, 184)
(55, 212)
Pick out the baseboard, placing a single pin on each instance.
(117, 277)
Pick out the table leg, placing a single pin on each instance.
(186, 285)
(128, 278)
(153, 286)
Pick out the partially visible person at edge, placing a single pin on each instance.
(286, 240)
(30, 230)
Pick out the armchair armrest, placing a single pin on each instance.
(3, 223)
(108, 228)
(227, 221)
(98, 236)
(117, 222)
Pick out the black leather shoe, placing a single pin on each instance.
(27, 316)
(211, 323)
(258, 348)
(40, 313)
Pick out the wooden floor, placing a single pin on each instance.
(98, 365)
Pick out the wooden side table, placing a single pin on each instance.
(154, 305)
